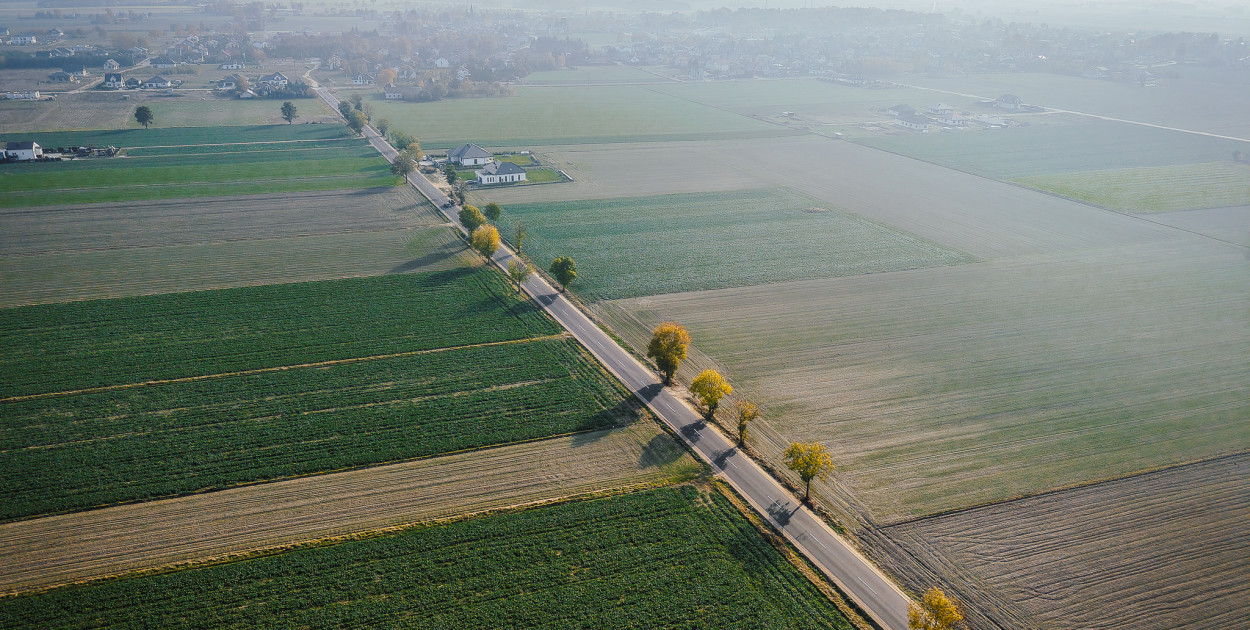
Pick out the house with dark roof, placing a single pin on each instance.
(113, 80)
(1009, 101)
(63, 77)
(363, 79)
(111, 64)
(274, 79)
(470, 155)
(914, 122)
(133, 83)
(23, 151)
(163, 62)
(500, 173)
(157, 82)
(899, 110)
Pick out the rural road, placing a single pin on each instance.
(853, 574)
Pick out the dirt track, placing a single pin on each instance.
(1163, 550)
(62, 549)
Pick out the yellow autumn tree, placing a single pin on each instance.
(747, 412)
(710, 387)
(935, 611)
(668, 348)
(810, 461)
(485, 239)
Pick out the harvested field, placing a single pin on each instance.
(1070, 145)
(1226, 224)
(594, 75)
(811, 100)
(77, 451)
(540, 116)
(1164, 550)
(666, 244)
(113, 110)
(955, 386)
(45, 552)
(59, 253)
(1153, 189)
(576, 564)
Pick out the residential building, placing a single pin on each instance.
(470, 155)
(22, 151)
(500, 173)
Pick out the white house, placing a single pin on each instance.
(228, 83)
(23, 151)
(951, 120)
(276, 78)
(111, 65)
(231, 65)
(393, 94)
(157, 82)
(442, 62)
(114, 80)
(500, 173)
(470, 155)
(940, 109)
(23, 40)
(1009, 101)
(23, 96)
(363, 79)
(914, 122)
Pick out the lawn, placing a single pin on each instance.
(667, 244)
(537, 116)
(61, 347)
(82, 450)
(1153, 189)
(670, 557)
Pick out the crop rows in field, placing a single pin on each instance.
(1164, 550)
(96, 110)
(1153, 189)
(60, 347)
(663, 558)
(673, 243)
(187, 136)
(77, 451)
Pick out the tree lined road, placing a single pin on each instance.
(853, 574)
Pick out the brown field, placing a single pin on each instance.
(955, 386)
(1163, 550)
(59, 253)
(41, 553)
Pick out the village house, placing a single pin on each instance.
(63, 77)
(914, 122)
(23, 40)
(940, 109)
(163, 62)
(111, 65)
(901, 110)
(275, 79)
(1009, 101)
(23, 151)
(393, 93)
(133, 83)
(229, 83)
(157, 82)
(231, 65)
(500, 173)
(114, 80)
(23, 96)
(363, 79)
(470, 155)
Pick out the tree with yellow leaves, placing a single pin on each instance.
(485, 239)
(747, 412)
(668, 348)
(935, 611)
(709, 387)
(810, 461)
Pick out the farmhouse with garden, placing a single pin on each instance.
(470, 155)
(500, 173)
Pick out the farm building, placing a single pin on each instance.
(470, 155)
(23, 96)
(114, 81)
(914, 122)
(500, 173)
(22, 151)
(900, 110)
(1009, 101)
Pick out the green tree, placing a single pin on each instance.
(668, 348)
(485, 239)
(357, 103)
(747, 413)
(810, 461)
(519, 272)
(383, 126)
(403, 164)
(492, 211)
(518, 236)
(356, 121)
(935, 611)
(471, 218)
(710, 387)
(289, 112)
(449, 172)
(345, 108)
(144, 116)
(564, 270)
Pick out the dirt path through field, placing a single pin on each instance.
(45, 552)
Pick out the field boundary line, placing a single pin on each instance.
(279, 368)
(1069, 488)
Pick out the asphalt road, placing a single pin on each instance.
(853, 574)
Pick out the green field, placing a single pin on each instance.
(63, 347)
(673, 243)
(809, 99)
(111, 110)
(199, 164)
(537, 116)
(671, 557)
(169, 137)
(1153, 189)
(77, 451)
(591, 75)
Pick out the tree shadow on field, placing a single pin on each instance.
(424, 261)
(659, 451)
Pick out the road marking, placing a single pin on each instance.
(861, 581)
(820, 543)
